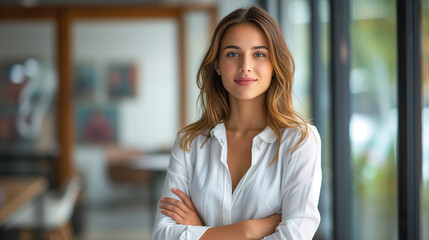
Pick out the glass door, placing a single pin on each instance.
(28, 92)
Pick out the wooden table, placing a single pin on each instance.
(17, 191)
(158, 164)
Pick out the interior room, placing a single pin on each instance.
(94, 92)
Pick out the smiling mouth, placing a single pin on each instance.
(244, 81)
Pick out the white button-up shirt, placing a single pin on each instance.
(290, 186)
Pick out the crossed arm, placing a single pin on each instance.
(300, 188)
(184, 212)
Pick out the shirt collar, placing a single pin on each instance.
(218, 131)
(267, 135)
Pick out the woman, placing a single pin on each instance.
(250, 167)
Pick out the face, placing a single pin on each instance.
(244, 62)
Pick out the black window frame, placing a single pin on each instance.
(409, 86)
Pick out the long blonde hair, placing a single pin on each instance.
(213, 97)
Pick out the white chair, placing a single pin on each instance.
(50, 214)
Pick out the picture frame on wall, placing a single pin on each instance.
(84, 76)
(121, 80)
(96, 124)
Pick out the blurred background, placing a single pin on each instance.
(93, 92)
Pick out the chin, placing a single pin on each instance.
(246, 97)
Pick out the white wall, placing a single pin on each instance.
(151, 119)
(148, 121)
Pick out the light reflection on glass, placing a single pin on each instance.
(296, 29)
(325, 202)
(373, 124)
(295, 23)
(28, 86)
(425, 122)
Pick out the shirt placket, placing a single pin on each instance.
(256, 149)
(227, 198)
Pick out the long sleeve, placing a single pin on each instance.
(177, 176)
(300, 190)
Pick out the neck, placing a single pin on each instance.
(246, 115)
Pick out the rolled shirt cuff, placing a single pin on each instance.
(193, 232)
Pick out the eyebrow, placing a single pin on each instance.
(238, 48)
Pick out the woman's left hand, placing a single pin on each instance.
(183, 212)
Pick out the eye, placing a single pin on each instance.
(232, 54)
(259, 54)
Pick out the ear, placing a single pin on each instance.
(216, 67)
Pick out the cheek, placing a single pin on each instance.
(267, 84)
(227, 67)
(266, 71)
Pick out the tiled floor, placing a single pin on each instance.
(115, 210)
(125, 217)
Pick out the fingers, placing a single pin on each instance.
(173, 208)
(175, 202)
(172, 215)
(182, 211)
(184, 197)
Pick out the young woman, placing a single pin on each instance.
(250, 167)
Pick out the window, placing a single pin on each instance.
(425, 121)
(373, 122)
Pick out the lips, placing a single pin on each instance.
(245, 81)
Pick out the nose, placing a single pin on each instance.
(246, 64)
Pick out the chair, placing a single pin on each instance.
(50, 215)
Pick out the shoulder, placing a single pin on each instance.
(182, 137)
(305, 138)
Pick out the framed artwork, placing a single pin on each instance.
(96, 124)
(84, 80)
(121, 80)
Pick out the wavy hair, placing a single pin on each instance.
(213, 97)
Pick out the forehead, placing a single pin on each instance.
(244, 34)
